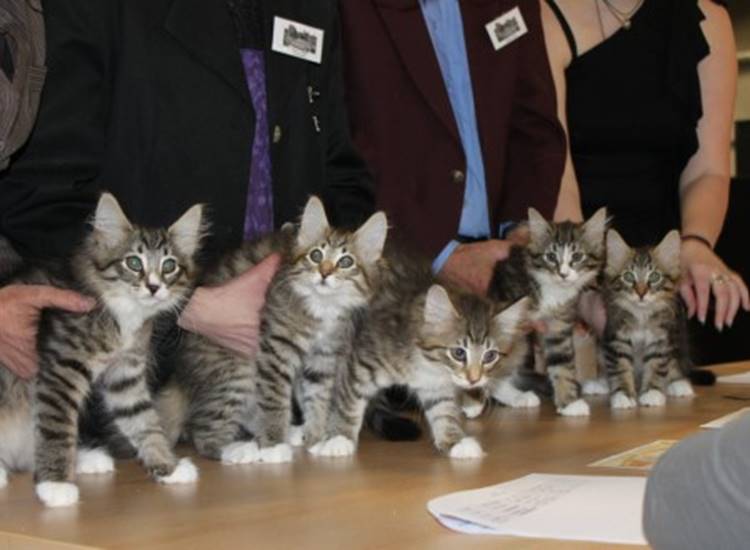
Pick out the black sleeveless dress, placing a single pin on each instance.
(634, 102)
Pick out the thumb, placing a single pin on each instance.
(261, 274)
(49, 296)
(501, 250)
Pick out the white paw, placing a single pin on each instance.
(576, 408)
(94, 461)
(621, 401)
(240, 452)
(526, 400)
(296, 436)
(185, 472)
(57, 493)
(473, 410)
(595, 386)
(336, 446)
(3, 477)
(276, 454)
(468, 447)
(652, 398)
(680, 388)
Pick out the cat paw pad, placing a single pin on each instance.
(621, 401)
(468, 447)
(56, 494)
(276, 454)
(680, 388)
(334, 447)
(184, 472)
(526, 400)
(576, 408)
(240, 452)
(473, 410)
(94, 461)
(296, 436)
(652, 398)
(596, 386)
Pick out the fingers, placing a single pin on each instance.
(500, 249)
(48, 296)
(688, 296)
(744, 294)
(261, 274)
(734, 302)
(702, 293)
(721, 291)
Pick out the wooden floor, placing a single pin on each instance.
(376, 500)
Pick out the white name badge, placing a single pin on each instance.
(297, 39)
(507, 28)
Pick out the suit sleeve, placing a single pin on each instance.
(350, 188)
(50, 187)
(536, 142)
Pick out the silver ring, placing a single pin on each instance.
(718, 278)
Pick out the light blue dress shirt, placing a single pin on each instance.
(446, 28)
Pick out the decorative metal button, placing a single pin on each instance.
(458, 177)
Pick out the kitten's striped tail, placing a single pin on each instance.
(383, 420)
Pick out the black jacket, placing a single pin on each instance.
(148, 99)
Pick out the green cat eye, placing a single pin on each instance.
(316, 256)
(629, 277)
(490, 356)
(577, 256)
(134, 263)
(654, 277)
(345, 262)
(168, 266)
(459, 354)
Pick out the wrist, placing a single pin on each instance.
(697, 238)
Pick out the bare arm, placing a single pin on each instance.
(704, 183)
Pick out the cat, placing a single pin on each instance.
(326, 277)
(415, 334)
(644, 346)
(559, 263)
(135, 274)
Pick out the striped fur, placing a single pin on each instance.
(644, 344)
(561, 260)
(417, 335)
(106, 351)
(325, 279)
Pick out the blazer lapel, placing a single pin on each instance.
(406, 26)
(206, 30)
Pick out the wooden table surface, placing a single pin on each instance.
(375, 500)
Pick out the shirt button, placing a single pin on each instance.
(276, 134)
(458, 177)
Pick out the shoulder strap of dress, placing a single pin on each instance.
(565, 27)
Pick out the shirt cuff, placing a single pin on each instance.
(439, 262)
(505, 228)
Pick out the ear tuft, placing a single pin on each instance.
(618, 253)
(187, 232)
(438, 308)
(110, 221)
(313, 225)
(370, 238)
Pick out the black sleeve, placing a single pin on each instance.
(51, 185)
(350, 188)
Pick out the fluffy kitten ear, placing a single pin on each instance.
(110, 221)
(438, 308)
(511, 319)
(369, 239)
(187, 232)
(667, 252)
(314, 224)
(538, 226)
(618, 252)
(595, 228)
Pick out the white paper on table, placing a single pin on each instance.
(741, 378)
(724, 420)
(591, 508)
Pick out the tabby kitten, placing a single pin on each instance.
(135, 274)
(416, 335)
(644, 343)
(560, 261)
(326, 277)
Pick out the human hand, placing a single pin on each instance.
(591, 311)
(20, 307)
(229, 314)
(703, 274)
(471, 266)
